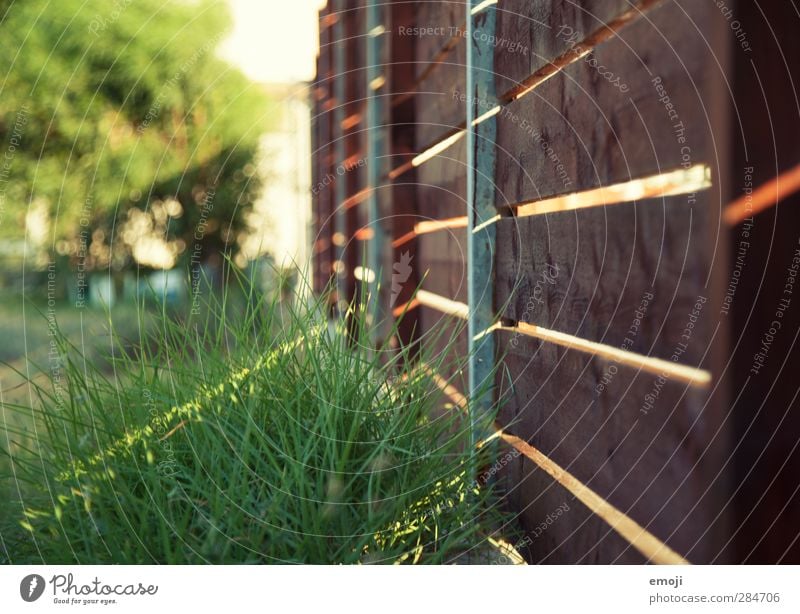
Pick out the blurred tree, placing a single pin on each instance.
(122, 128)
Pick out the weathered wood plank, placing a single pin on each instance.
(532, 33)
(556, 528)
(628, 275)
(644, 446)
(443, 340)
(439, 68)
(442, 263)
(438, 24)
(442, 184)
(439, 97)
(766, 415)
(579, 130)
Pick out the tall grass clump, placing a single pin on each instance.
(271, 436)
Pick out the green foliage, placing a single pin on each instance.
(122, 105)
(271, 437)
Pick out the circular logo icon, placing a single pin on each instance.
(31, 587)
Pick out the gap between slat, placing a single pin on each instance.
(670, 370)
(671, 183)
(631, 531)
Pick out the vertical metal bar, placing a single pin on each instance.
(339, 147)
(481, 210)
(375, 139)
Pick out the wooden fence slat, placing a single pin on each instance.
(441, 69)
(579, 131)
(645, 542)
(443, 262)
(629, 275)
(576, 535)
(642, 444)
(437, 20)
(765, 113)
(533, 33)
(440, 99)
(442, 184)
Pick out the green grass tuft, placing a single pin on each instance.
(271, 436)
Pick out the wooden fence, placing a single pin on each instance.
(564, 176)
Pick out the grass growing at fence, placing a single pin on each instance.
(267, 437)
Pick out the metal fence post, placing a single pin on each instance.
(339, 147)
(481, 132)
(375, 144)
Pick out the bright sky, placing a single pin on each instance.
(274, 40)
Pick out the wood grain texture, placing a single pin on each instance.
(626, 275)
(653, 466)
(535, 32)
(442, 184)
(437, 21)
(443, 340)
(442, 255)
(441, 181)
(440, 106)
(596, 133)
(439, 68)
(533, 496)
(766, 416)
(443, 263)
